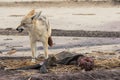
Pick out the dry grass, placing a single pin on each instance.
(100, 63)
(108, 63)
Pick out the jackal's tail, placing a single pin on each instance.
(50, 41)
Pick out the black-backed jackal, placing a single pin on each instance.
(39, 29)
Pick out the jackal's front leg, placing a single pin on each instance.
(33, 48)
(45, 45)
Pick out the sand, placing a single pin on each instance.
(65, 18)
(74, 18)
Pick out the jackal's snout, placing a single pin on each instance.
(19, 28)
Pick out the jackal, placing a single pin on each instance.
(39, 29)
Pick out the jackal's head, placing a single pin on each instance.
(27, 21)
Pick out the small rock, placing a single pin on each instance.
(12, 51)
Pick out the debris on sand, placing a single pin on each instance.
(98, 62)
(106, 63)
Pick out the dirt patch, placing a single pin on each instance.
(113, 74)
(104, 64)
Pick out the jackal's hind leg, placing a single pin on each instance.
(45, 45)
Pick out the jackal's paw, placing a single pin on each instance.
(33, 61)
(36, 56)
(46, 57)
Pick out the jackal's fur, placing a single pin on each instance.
(39, 29)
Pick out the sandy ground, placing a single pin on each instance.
(67, 18)
(72, 44)
(74, 18)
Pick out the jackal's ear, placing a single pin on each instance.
(36, 16)
(31, 13)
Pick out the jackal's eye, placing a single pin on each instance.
(23, 23)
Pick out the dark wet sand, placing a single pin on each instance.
(72, 33)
